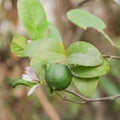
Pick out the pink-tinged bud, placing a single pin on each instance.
(29, 41)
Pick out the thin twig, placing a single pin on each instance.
(82, 2)
(73, 101)
(111, 56)
(69, 100)
(89, 100)
(110, 98)
(77, 95)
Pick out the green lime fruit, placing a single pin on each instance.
(58, 76)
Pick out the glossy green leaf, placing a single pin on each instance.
(33, 18)
(54, 33)
(86, 86)
(84, 54)
(86, 20)
(109, 86)
(90, 72)
(38, 68)
(22, 82)
(46, 50)
(17, 45)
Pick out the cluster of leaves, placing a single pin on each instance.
(83, 59)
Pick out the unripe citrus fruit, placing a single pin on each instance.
(58, 76)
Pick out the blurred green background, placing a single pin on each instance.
(14, 103)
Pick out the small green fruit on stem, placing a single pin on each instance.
(58, 77)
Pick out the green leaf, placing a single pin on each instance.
(84, 54)
(23, 82)
(33, 18)
(17, 45)
(46, 50)
(109, 39)
(90, 72)
(38, 68)
(86, 20)
(109, 86)
(54, 33)
(86, 86)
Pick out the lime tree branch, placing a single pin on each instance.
(82, 2)
(89, 100)
(111, 57)
(69, 100)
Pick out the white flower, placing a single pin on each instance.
(32, 89)
(31, 77)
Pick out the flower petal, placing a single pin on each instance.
(30, 72)
(32, 89)
(26, 77)
(35, 77)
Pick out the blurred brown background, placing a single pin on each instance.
(15, 105)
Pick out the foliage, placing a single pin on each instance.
(33, 18)
(17, 45)
(47, 50)
(79, 52)
(86, 20)
(86, 86)
(84, 60)
(23, 82)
